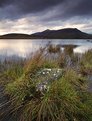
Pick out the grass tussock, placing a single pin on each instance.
(54, 48)
(86, 63)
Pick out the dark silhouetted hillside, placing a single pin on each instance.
(15, 36)
(68, 33)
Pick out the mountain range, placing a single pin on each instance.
(68, 33)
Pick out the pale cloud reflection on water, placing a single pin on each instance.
(82, 49)
(24, 47)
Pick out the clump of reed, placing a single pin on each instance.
(54, 48)
(86, 63)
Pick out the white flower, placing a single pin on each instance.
(48, 69)
(58, 71)
(54, 74)
(43, 73)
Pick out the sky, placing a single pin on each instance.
(30, 16)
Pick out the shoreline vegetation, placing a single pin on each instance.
(67, 33)
(52, 85)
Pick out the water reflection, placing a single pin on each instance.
(24, 47)
(82, 49)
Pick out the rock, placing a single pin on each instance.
(46, 76)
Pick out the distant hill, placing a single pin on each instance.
(15, 36)
(68, 33)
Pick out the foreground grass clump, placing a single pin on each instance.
(60, 101)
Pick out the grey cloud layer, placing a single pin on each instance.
(30, 6)
(23, 7)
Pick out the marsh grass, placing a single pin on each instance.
(86, 63)
(66, 98)
(54, 48)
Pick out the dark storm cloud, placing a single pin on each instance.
(4, 3)
(67, 8)
(13, 9)
(70, 9)
(30, 5)
(83, 7)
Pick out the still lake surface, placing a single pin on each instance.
(24, 47)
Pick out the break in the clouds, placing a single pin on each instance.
(28, 16)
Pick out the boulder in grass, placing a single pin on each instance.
(45, 76)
